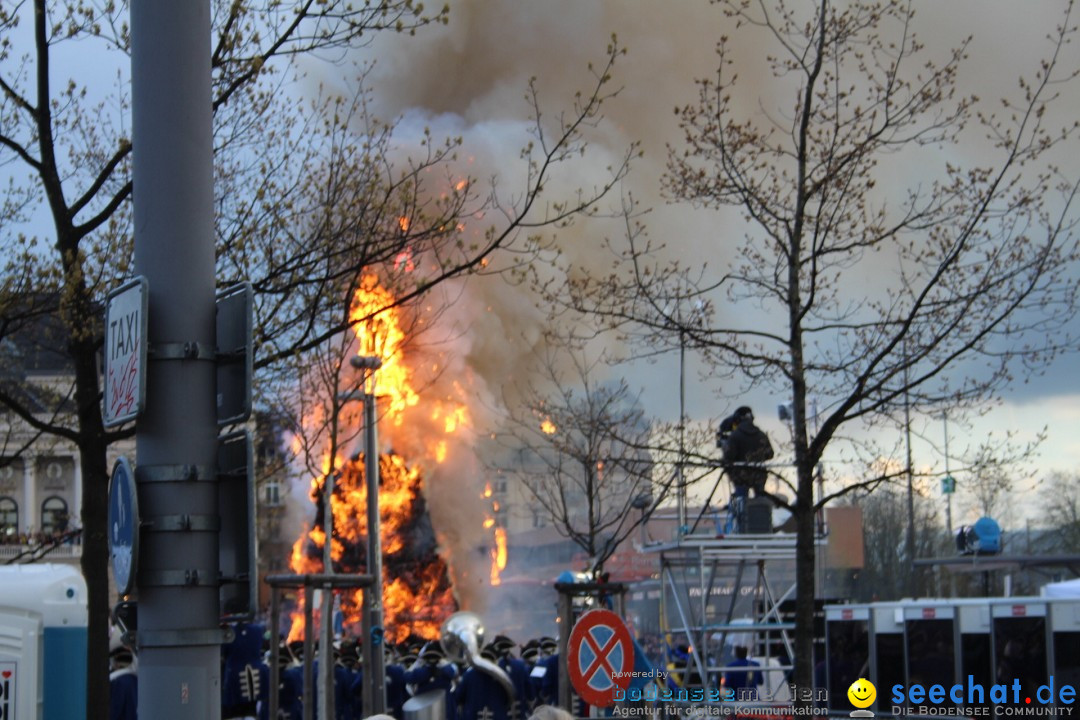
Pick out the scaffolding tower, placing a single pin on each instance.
(756, 574)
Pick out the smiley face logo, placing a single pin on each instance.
(862, 693)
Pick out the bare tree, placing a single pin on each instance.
(308, 197)
(989, 477)
(887, 573)
(1060, 497)
(874, 297)
(583, 449)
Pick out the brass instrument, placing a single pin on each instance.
(461, 636)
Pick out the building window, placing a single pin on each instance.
(9, 520)
(272, 494)
(54, 516)
(538, 519)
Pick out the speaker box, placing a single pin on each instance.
(759, 516)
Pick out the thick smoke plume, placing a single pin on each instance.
(468, 79)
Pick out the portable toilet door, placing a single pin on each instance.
(1020, 630)
(42, 642)
(929, 644)
(886, 651)
(1065, 643)
(976, 647)
(847, 651)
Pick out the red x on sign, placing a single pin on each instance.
(600, 657)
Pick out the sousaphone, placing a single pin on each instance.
(461, 636)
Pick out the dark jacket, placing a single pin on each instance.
(747, 444)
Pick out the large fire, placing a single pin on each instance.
(417, 592)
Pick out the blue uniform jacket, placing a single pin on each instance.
(479, 696)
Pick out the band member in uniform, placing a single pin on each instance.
(547, 691)
(396, 693)
(123, 684)
(433, 672)
(519, 676)
(290, 687)
(245, 676)
(530, 655)
(479, 696)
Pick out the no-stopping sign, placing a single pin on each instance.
(600, 657)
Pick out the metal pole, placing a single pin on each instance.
(375, 673)
(326, 652)
(309, 652)
(367, 698)
(683, 526)
(566, 621)
(704, 585)
(734, 600)
(912, 585)
(274, 691)
(696, 654)
(179, 639)
(326, 657)
(948, 496)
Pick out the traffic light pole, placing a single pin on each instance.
(176, 435)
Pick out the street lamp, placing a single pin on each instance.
(374, 696)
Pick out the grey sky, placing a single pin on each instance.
(469, 79)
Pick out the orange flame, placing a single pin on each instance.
(416, 597)
(378, 330)
(415, 600)
(498, 555)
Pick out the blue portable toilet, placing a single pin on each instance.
(42, 642)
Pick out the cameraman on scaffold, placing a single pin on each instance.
(745, 446)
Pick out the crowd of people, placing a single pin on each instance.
(416, 668)
(41, 537)
(411, 669)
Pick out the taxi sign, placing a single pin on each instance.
(600, 657)
(125, 352)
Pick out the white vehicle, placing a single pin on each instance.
(42, 642)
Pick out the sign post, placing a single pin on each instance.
(179, 636)
(125, 352)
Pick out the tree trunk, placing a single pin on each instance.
(95, 501)
(804, 591)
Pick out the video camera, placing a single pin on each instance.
(981, 538)
(726, 426)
